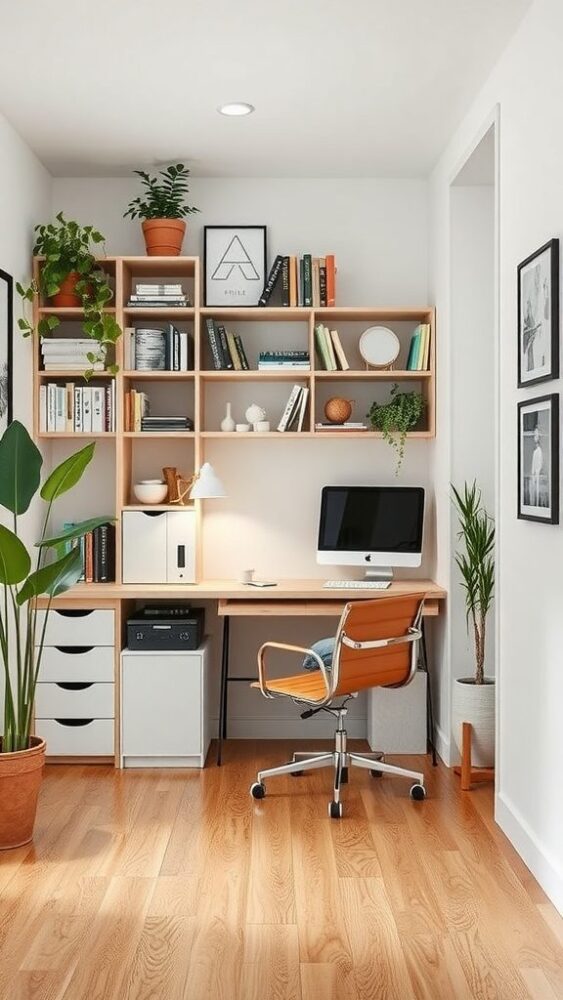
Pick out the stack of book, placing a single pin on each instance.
(157, 349)
(419, 350)
(281, 361)
(158, 296)
(293, 415)
(341, 428)
(302, 281)
(329, 349)
(138, 417)
(71, 354)
(166, 425)
(227, 349)
(80, 409)
(97, 549)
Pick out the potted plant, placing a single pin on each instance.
(474, 697)
(162, 208)
(396, 418)
(24, 577)
(70, 275)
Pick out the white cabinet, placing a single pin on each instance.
(159, 546)
(164, 710)
(397, 717)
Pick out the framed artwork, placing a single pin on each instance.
(538, 459)
(6, 361)
(234, 265)
(538, 315)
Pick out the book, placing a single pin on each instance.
(271, 280)
(241, 352)
(301, 286)
(60, 411)
(87, 409)
(302, 407)
(213, 343)
(235, 358)
(184, 351)
(412, 360)
(150, 349)
(322, 281)
(42, 409)
(307, 280)
(339, 351)
(426, 359)
(98, 410)
(323, 343)
(89, 557)
(290, 408)
(129, 348)
(330, 349)
(78, 409)
(293, 282)
(330, 280)
(285, 281)
(224, 348)
(315, 270)
(341, 428)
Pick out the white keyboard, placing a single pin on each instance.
(357, 584)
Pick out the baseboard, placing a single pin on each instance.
(290, 729)
(443, 745)
(541, 864)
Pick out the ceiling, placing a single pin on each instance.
(341, 88)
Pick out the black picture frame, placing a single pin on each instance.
(540, 267)
(528, 460)
(6, 349)
(234, 288)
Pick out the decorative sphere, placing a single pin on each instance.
(338, 410)
(255, 413)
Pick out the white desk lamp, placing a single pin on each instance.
(207, 486)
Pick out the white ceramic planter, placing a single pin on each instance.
(475, 703)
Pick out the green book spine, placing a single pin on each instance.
(285, 281)
(307, 280)
(242, 352)
(413, 351)
(419, 356)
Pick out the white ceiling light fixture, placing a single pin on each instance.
(236, 109)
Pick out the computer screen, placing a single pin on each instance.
(381, 525)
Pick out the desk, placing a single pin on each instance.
(287, 598)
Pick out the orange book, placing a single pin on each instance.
(89, 558)
(330, 280)
(293, 281)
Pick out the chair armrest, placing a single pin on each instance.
(288, 648)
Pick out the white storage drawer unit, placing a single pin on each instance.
(74, 702)
(164, 711)
(158, 546)
(397, 718)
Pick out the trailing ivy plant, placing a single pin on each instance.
(396, 418)
(69, 248)
(162, 199)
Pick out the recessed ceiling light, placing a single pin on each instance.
(236, 109)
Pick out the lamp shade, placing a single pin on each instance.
(207, 486)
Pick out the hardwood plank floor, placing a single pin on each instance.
(169, 885)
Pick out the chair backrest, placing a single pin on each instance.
(355, 669)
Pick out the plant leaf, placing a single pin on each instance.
(15, 562)
(67, 474)
(20, 468)
(77, 531)
(53, 579)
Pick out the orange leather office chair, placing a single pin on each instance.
(376, 645)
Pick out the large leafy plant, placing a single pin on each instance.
(396, 418)
(26, 576)
(69, 248)
(164, 198)
(477, 566)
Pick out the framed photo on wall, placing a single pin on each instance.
(6, 343)
(234, 265)
(538, 459)
(538, 315)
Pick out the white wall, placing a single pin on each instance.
(529, 805)
(378, 231)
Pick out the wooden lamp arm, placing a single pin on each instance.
(288, 648)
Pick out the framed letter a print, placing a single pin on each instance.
(538, 316)
(538, 459)
(6, 322)
(234, 265)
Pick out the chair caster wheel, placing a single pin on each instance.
(344, 776)
(418, 792)
(376, 774)
(297, 774)
(257, 790)
(335, 810)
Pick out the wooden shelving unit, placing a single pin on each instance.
(132, 455)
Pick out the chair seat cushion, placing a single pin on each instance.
(310, 687)
(325, 649)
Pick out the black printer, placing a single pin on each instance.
(166, 626)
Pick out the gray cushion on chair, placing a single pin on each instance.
(325, 649)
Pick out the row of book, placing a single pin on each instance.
(227, 349)
(72, 354)
(138, 417)
(419, 351)
(97, 549)
(80, 409)
(341, 428)
(301, 281)
(280, 361)
(158, 350)
(293, 415)
(158, 295)
(329, 349)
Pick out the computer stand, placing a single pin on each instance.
(384, 573)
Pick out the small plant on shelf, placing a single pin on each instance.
(70, 275)
(162, 208)
(396, 418)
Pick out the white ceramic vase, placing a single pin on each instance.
(475, 703)
(227, 423)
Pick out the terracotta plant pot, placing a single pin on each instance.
(164, 237)
(20, 779)
(66, 296)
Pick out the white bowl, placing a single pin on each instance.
(150, 491)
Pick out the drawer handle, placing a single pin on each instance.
(74, 685)
(74, 650)
(73, 612)
(74, 722)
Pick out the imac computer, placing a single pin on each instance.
(377, 527)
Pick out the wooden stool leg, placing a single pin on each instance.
(466, 756)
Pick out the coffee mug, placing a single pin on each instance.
(246, 575)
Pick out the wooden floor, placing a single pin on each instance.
(168, 885)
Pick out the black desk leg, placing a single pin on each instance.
(224, 689)
(430, 726)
